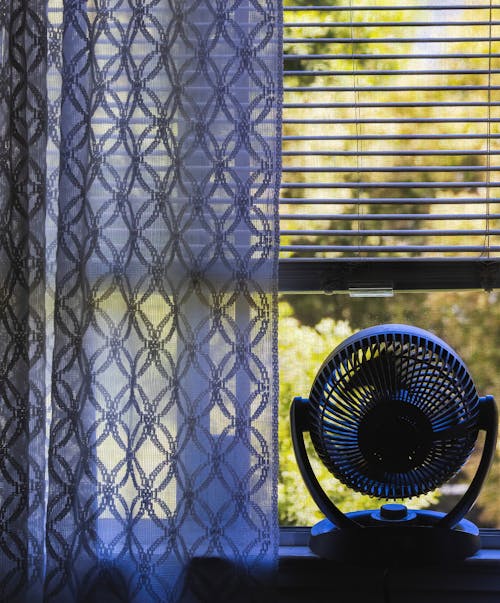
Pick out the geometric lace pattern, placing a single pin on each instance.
(139, 178)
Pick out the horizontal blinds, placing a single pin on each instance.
(391, 126)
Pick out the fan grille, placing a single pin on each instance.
(394, 412)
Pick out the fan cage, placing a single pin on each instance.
(406, 377)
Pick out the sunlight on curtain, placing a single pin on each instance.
(154, 258)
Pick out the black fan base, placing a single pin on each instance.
(415, 539)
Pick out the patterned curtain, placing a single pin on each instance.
(139, 173)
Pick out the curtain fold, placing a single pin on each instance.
(140, 168)
(22, 299)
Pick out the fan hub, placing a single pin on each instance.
(394, 437)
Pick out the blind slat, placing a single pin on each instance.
(373, 169)
(395, 120)
(391, 248)
(391, 137)
(382, 105)
(390, 40)
(402, 24)
(382, 217)
(391, 233)
(372, 89)
(388, 72)
(390, 201)
(382, 153)
(403, 184)
(383, 57)
(404, 7)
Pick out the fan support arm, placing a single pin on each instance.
(299, 423)
(488, 420)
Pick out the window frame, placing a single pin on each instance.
(340, 275)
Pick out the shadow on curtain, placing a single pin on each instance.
(139, 175)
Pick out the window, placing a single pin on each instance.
(391, 180)
(390, 148)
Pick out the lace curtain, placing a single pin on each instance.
(139, 172)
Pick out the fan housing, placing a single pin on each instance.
(393, 413)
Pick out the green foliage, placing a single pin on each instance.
(468, 321)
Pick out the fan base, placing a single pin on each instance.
(393, 542)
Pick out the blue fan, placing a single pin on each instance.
(393, 413)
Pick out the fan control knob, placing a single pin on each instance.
(393, 511)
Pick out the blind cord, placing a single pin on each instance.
(357, 125)
(488, 136)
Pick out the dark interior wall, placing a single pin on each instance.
(303, 578)
(311, 580)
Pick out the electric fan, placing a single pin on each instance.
(393, 413)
